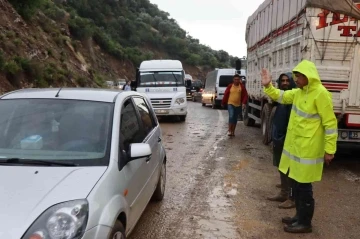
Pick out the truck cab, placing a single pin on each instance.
(163, 81)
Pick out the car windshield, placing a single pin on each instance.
(72, 131)
(162, 79)
(197, 83)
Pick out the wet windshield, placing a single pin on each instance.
(47, 129)
(162, 79)
(197, 83)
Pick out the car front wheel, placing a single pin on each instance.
(118, 231)
(160, 188)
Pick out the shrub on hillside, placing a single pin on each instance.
(27, 8)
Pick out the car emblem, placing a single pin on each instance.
(161, 102)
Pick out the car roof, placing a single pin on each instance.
(90, 94)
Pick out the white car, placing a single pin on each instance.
(77, 163)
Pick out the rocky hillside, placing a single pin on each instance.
(46, 43)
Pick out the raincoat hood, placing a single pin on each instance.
(292, 82)
(308, 69)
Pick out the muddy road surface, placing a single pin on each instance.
(217, 186)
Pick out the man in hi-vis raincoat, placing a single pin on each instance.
(310, 139)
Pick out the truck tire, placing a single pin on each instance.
(247, 120)
(271, 118)
(265, 115)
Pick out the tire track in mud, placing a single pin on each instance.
(188, 146)
(207, 213)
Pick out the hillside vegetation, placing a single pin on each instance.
(85, 42)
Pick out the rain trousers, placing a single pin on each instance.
(312, 128)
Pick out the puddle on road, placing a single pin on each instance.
(219, 220)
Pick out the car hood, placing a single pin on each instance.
(26, 192)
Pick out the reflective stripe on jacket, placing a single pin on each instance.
(312, 128)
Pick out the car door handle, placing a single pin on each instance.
(148, 158)
(159, 139)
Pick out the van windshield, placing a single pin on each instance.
(161, 79)
(70, 131)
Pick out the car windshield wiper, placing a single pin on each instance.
(154, 79)
(176, 80)
(36, 162)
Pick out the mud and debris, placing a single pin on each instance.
(217, 186)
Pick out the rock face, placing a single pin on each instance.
(42, 52)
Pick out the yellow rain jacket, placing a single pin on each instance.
(312, 128)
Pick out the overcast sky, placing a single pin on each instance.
(219, 24)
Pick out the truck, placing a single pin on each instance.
(163, 81)
(215, 85)
(281, 33)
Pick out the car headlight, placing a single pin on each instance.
(62, 221)
(180, 101)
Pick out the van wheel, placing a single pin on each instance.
(182, 118)
(203, 104)
(265, 115)
(160, 187)
(118, 231)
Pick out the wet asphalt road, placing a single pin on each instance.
(216, 186)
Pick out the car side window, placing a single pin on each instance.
(130, 130)
(145, 115)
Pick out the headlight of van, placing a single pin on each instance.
(180, 101)
(62, 221)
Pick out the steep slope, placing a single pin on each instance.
(85, 42)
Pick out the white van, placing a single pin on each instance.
(163, 82)
(215, 86)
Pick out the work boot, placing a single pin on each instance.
(303, 224)
(281, 197)
(289, 220)
(287, 204)
(296, 227)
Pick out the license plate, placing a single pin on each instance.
(354, 135)
(193, 90)
(161, 111)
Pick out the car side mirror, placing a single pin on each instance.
(139, 150)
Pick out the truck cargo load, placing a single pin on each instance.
(281, 33)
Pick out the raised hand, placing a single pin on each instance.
(265, 77)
